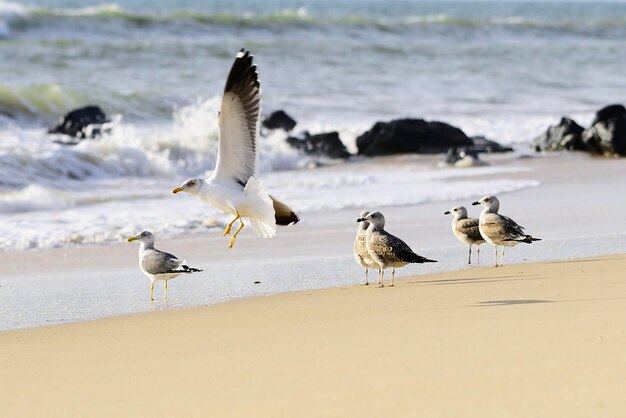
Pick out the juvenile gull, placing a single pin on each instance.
(466, 230)
(361, 255)
(499, 230)
(386, 250)
(158, 265)
(233, 187)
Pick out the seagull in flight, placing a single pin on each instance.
(234, 187)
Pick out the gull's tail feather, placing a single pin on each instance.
(526, 238)
(283, 213)
(263, 222)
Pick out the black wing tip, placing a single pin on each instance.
(191, 269)
(527, 239)
(411, 257)
(243, 71)
(421, 259)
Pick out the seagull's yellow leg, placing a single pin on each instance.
(232, 240)
(227, 230)
(151, 290)
(165, 289)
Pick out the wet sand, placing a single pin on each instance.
(535, 339)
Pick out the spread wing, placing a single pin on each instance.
(238, 118)
(470, 228)
(159, 262)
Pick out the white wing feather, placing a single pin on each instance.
(238, 123)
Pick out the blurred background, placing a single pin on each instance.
(504, 69)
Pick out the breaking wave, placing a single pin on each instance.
(13, 14)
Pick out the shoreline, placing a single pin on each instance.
(543, 339)
(572, 210)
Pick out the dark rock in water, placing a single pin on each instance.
(566, 135)
(279, 120)
(607, 133)
(322, 145)
(84, 122)
(452, 156)
(403, 136)
(609, 112)
(484, 145)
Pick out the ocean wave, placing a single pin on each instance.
(300, 17)
(184, 146)
(148, 203)
(39, 100)
(33, 197)
(9, 11)
(49, 101)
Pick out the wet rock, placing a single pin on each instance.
(322, 145)
(404, 136)
(484, 145)
(85, 122)
(565, 136)
(607, 133)
(279, 120)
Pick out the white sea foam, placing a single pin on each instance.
(101, 9)
(188, 146)
(107, 211)
(103, 186)
(8, 12)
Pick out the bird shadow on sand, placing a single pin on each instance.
(471, 280)
(512, 302)
(509, 302)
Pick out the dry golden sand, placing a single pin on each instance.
(531, 340)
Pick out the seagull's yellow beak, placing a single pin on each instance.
(131, 239)
(178, 189)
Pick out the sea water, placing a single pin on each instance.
(501, 69)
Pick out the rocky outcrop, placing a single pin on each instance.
(327, 145)
(607, 133)
(605, 136)
(403, 136)
(279, 120)
(565, 136)
(85, 122)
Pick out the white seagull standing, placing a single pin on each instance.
(158, 265)
(233, 187)
(466, 230)
(387, 251)
(499, 230)
(361, 255)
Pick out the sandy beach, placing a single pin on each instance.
(406, 108)
(530, 340)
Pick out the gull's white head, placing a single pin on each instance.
(459, 212)
(145, 237)
(375, 218)
(491, 203)
(190, 186)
